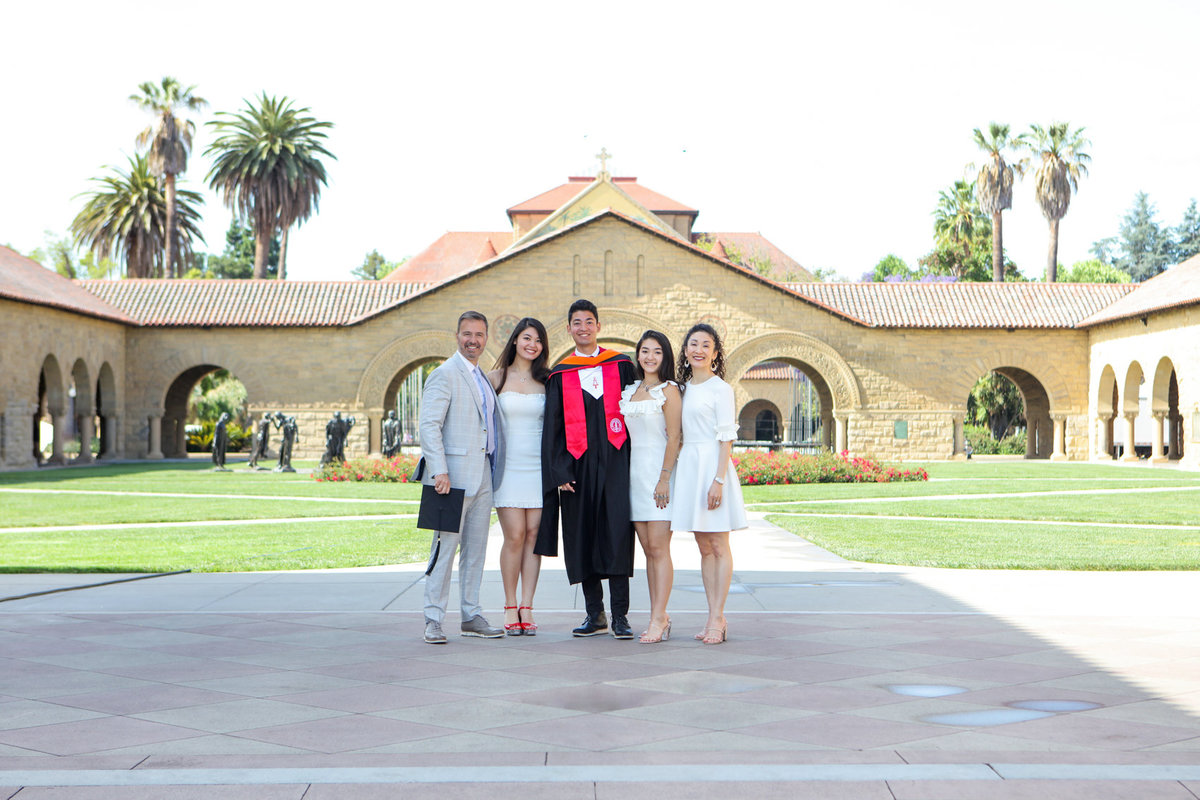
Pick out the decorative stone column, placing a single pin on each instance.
(1175, 436)
(375, 434)
(155, 436)
(1060, 437)
(1157, 453)
(108, 438)
(57, 421)
(1130, 447)
(841, 425)
(958, 450)
(87, 429)
(1104, 444)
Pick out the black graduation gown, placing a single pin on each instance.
(596, 529)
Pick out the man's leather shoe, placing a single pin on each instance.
(592, 626)
(433, 632)
(620, 628)
(478, 626)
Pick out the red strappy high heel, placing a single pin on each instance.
(527, 628)
(514, 628)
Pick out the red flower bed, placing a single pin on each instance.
(757, 468)
(369, 470)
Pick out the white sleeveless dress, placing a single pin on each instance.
(521, 486)
(647, 426)
(708, 420)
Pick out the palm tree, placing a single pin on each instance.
(1063, 163)
(995, 182)
(958, 221)
(170, 141)
(127, 220)
(266, 163)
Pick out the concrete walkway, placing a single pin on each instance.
(839, 679)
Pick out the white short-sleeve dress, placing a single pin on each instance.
(708, 420)
(647, 426)
(521, 486)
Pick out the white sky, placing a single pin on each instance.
(829, 128)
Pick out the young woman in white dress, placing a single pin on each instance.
(708, 496)
(519, 379)
(652, 408)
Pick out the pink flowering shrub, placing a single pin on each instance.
(757, 468)
(370, 470)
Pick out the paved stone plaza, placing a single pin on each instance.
(839, 679)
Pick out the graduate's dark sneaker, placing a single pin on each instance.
(592, 626)
(620, 628)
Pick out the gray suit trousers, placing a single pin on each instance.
(471, 542)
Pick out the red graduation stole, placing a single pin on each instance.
(574, 417)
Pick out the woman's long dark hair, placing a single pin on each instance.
(666, 368)
(541, 364)
(685, 368)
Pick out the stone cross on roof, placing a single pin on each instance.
(604, 156)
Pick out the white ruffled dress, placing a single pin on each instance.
(647, 426)
(708, 420)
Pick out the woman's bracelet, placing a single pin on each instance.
(720, 481)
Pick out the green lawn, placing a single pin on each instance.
(309, 537)
(1104, 539)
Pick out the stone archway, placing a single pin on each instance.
(1131, 407)
(1107, 398)
(1043, 431)
(1164, 408)
(619, 329)
(834, 382)
(386, 374)
(760, 421)
(82, 418)
(51, 402)
(174, 418)
(106, 411)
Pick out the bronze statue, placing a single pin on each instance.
(220, 442)
(288, 429)
(336, 431)
(261, 438)
(391, 435)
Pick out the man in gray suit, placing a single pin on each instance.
(463, 446)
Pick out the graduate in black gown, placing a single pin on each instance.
(585, 473)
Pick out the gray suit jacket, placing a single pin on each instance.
(454, 429)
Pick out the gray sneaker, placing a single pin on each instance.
(478, 626)
(433, 632)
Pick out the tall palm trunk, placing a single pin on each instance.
(1052, 256)
(262, 242)
(283, 237)
(997, 247)
(170, 256)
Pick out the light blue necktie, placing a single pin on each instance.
(488, 410)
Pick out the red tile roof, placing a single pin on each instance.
(557, 197)
(250, 303)
(452, 253)
(1178, 286)
(784, 267)
(964, 305)
(772, 371)
(27, 281)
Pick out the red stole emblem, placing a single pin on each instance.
(575, 419)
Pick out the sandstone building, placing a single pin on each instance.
(886, 368)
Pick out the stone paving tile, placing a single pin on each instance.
(794, 648)
(269, 684)
(197, 623)
(702, 682)
(731, 742)
(498, 657)
(54, 682)
(601, 670)
(300, 658)
(32, 713)
(1086, 729)
(238, 715)
(479, 714)
(94, 735)
(799, 670)
(913, 709)
(345, 733)
(390, 670)
(314, 636)
(184, 669)
(488, 684)
(31, 647)
(472, 744)
(845, 730)
(1153, 712)
(1182, 746)
(983, 746)
(370, 698)
(969, 648)
(105, 660)
(145, 638)
(1000, 695)
(713, 713)
(596, 698)
(1002, 670)
(709, 786)
(259, 792)
(221, 647)
(884, 659)
(593, 731)
(582, 790)
(1092, 681)
(1038, 790)
(246, 628)
(211, 745)
(822, 697)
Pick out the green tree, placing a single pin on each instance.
(995, 401)
(1145, 249)
(266, 164)
(995, 184)
(891, 266)
(126, 220)
(1093, 271)
(237, 260)
(1187, 235)
(218, 392)
(1062, 162)
(170, 141)
(962, 236)
(375, 267)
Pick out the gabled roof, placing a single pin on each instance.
(27, 281)
(755, 245)
(1178, 286)
(452, 253)
(965, 305)
(249, 303)
(773, 371)
(599, 195)
(557, 197)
